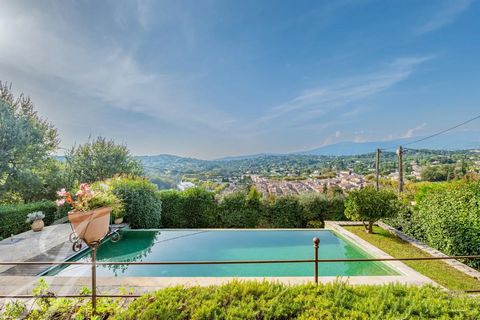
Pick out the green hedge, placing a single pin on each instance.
(142, 204)
(198, 208)
(13, 216)
(192, 208)
(446, 217)
(450, 220)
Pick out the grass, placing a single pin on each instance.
(436, 270)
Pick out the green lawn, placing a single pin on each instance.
(436, 270)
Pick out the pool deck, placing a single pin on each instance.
(52, 244)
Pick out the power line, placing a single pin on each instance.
(443, 131)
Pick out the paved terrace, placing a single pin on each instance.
(49, 244)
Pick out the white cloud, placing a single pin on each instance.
(447, 12)
(104, 73)
(413, 131)
(315, 102)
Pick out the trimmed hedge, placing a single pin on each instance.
(13, 216)
(192, 208)
(142, 204)
(450, 220)
(197, 208)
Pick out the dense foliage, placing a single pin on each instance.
(192, 208)
(13, 216)
(450, 220)
(254, 300)
(197, 208)
(446, 216)
(369, 205)
(240, 210)
(99, 160)
(141, 201)
(27, 171)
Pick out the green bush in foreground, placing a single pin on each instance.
(13, 216)
(253, 300)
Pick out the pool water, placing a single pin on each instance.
(201, 245)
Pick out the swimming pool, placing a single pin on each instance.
(201, 245)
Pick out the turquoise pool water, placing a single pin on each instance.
(198, 245)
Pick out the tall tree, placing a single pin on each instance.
(100, 159)
(26, 144)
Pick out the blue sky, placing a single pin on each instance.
(216, 78)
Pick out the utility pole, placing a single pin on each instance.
(400, 169)
(377, 170)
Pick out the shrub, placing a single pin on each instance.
(319, 207)
(261, 300)
(238, 210)
(370, 205)
(142, 204)
(450, 219)
(253, 300)
(192, 208)
(171, 208)
(197, 207)
(285, 212)
(13, 216)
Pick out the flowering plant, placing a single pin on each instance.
(87, 199)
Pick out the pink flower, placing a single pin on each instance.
(85, 187)
(79, 193)
(60, 202)
(62, 192)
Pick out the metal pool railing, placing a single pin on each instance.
(315, 261)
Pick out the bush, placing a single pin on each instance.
(450, 219)
(171, 208)
(141, 201)
(370, 205)
(237, 210)
(261, 300)
(192, 208)
(252, 300)
(319, 207)
(197, 209)
(285, 212)
(13, 216)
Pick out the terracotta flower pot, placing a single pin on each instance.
(37, 225)
(91, 226)
(118, 220)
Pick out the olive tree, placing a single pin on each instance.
(100, 159)
(369, 205)
(27, 143)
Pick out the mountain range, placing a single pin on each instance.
(459, 140)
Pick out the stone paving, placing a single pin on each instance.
(52, 243)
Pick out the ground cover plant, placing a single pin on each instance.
(263, 300)
(436, 270)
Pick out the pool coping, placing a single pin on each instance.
(10, 285)
(403, 269)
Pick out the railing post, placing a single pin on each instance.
(316, 242)
(94, 279)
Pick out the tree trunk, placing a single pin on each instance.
(370, 227)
